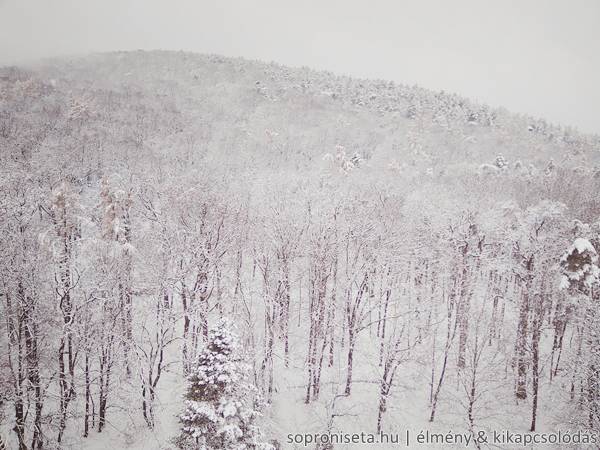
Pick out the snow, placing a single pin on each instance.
(241, 200)
(583, 245)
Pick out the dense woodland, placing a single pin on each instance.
(389, 256)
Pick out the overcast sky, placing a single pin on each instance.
(540, 57)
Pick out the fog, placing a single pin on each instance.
(540, 57)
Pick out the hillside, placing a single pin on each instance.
(392, 258)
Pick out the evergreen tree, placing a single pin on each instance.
(579, 266)
(581, 276)
(221, 407)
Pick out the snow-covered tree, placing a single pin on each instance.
(580, 266)
(580, 277)
(221, 407)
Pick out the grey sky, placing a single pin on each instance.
(540, 57)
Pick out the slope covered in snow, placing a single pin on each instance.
(393, 258)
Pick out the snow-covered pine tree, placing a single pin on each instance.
(579, 266)
(221, 407)
(581, 277)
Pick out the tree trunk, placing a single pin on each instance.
(521, 346)
(86, 419)
(349, 365)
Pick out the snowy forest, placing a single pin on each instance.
(209, 252)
